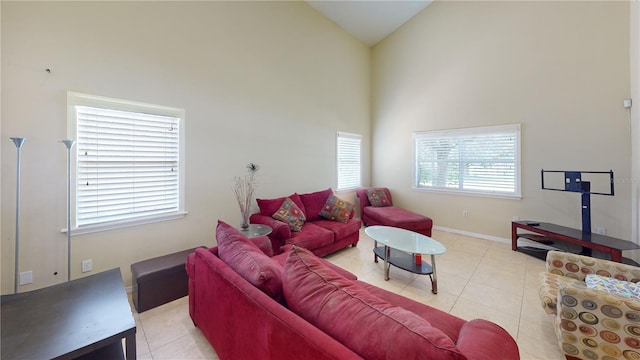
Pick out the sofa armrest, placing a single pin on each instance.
(483, 340)
(281, 231)
(578, 266)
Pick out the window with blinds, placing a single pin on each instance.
(484, 160)
(348, 148)
(128, 162)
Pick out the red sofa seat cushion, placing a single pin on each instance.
(398, 217)
(340, 230)
(363, 322)
(312, 236)
(245, 258)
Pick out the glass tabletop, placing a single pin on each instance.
(405, 240)
(255, 230)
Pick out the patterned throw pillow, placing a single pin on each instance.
(612, 285)
(290, 213)
(336, 209)
(378, 198)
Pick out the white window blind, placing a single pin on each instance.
(483, 160)
(128, 166)
(348, 160)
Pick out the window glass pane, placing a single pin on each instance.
(477, 160)
(348, 160)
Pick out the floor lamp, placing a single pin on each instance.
(69, 144)
(18, 141)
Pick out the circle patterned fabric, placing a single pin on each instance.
(591, 324)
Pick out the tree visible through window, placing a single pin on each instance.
(484, 160)
(128, 161)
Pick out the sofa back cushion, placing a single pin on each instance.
(363, 322)
(314, 202)
(269, 206)
(246, 259)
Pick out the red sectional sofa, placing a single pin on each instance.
(384, 213)
(297, 306)
(319, 234)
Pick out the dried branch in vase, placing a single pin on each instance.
(244, 189)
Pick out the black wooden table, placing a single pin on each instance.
(68, 320)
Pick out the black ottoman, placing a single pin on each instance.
(159, 280)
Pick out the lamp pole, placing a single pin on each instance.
(69, 144)
(18, 141)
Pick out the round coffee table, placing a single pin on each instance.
(403, 249)
(255, 230)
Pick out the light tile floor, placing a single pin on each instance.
(476, 279)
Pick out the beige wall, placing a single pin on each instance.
(263, 82)
(560, 69)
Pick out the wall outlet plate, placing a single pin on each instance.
(87, 265)
(26, 277)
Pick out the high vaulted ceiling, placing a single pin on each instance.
(370, 20)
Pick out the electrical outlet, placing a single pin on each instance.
(465, 213)
(26, 277)
(600, 230)
(87, 265)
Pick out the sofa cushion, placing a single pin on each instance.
(290, 213)
(377, 197)
(270, 206)
(245, 258)
(314, 202)
(336, 209)
(398, 217)
(311, 237)
(263, 243)
(363, 322)
(281, 258)
(340, 230)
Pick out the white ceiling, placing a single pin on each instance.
(369, 20)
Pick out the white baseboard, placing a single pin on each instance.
(468, 233)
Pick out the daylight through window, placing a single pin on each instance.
(483, 160)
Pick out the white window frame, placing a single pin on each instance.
(74, 100)
(469, 134)
(347, 160)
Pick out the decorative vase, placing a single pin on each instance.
(244, 225)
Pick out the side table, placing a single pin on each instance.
(256, 230)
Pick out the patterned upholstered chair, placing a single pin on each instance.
(590, 323)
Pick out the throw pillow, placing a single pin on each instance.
(355, 317)
(612, 285)
(377, 197)
(336, 209)
(290, 213)
(245, 258)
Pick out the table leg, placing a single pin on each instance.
(514, 236)
(375, 257)
(387, 252)
(616, 255)
(130, 346)
(434, 278)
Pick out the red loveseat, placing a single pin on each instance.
(297, 306)
(319, 234)
(384, 213)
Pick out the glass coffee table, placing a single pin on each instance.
(404, 249)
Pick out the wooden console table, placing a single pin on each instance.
(69, 320)
(571, 240)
